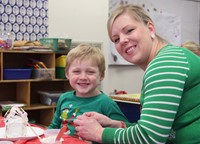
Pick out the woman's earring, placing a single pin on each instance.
(153, 35)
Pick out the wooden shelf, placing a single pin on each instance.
(30, 80)
(25, 91)
(38, 107)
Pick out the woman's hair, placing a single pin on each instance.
(192, 46)
(135, 11)
(86, 52)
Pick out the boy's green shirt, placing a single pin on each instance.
(70, 106)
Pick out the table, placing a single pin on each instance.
(67, 139)
(129, 98)
(129, 105)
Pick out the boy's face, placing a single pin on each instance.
(84, 77)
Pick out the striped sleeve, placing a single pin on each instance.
(163, 85)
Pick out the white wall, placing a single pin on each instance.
(85, 20)
(189, 12)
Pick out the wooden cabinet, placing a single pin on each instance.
(25, 91)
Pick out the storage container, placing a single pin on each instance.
(56, 44)
(60, 67)
(50, 43)
(64, 44)
(6, 40)
(17, 73)
(43, 74)
(61, 61)
(49, 98)
(60, 73)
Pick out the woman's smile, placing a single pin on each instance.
(130, 50)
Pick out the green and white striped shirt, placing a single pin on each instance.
(170, 101)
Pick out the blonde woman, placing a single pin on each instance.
(170, 94)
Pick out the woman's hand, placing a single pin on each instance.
(88, 128)
(103, 120)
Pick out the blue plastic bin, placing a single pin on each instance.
(17, 73)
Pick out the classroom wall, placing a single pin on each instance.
(85, 20)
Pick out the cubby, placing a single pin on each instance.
(25, 91)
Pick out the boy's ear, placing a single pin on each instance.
(67, 75)
(102, 76)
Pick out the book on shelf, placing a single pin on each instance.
(32, 48)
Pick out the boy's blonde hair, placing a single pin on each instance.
(86, 51)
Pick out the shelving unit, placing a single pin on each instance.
(25, 91)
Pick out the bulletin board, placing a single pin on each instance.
(25, 19)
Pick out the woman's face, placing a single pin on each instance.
(132, 39)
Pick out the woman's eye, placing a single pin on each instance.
(116, 40)
(129, 30)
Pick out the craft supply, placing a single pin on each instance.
(30, 127)
(62, 131)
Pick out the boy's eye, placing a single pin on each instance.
(91, 72)
(76, 71)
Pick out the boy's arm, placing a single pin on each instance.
(113, 111)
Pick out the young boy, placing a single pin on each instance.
(85, 68)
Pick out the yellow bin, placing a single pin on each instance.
(61, 61)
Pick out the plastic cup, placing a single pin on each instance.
(51, 132)
(50, 140)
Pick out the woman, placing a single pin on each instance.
(170, 96)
